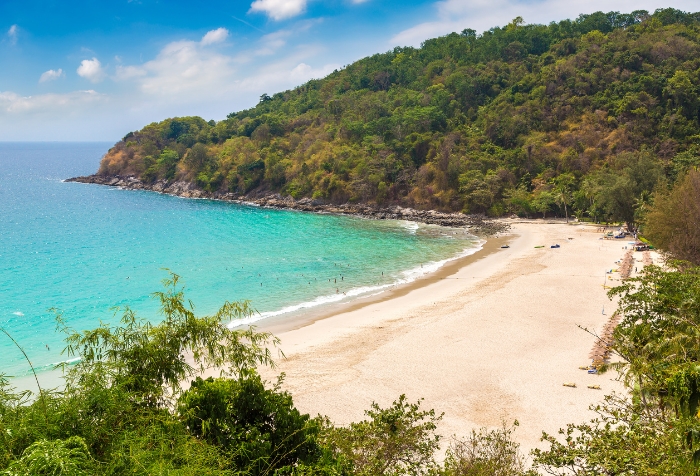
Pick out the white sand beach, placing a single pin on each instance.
(488, 338)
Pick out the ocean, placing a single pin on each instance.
(84, 250)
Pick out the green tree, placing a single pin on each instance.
(393, 441)
(543, 201)
(485, 453)
(673, 223)
(518, 200)
(259, 427)
(152, 360)
(681, 89)
(114, 415)
(563, 190)
(54, 458)
(619, 188)
(198, 158)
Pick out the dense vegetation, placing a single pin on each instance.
(582, 116)
(673, 221)
(125, 408)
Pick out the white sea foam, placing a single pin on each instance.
(53, 365)
(411, 226)
(365, 291)
(72, 361)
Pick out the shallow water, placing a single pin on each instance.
(86, 248)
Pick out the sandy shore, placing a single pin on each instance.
(490, 337)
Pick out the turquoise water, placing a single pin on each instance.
(86, 248)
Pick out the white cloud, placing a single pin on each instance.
(129, 72)
(214, 36)
(12, 34)
(91, 70)
(77, 115)
(181, 67)
(301, 71)
(272, 42)
(279, 9)
(187, 77)
(187, 74)
(284, 74)
(51, 75)
(480, 15)
(12, 103)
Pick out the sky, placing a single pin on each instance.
(93, 70)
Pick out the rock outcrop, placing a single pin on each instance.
(478, 224)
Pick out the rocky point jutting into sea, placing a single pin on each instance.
(477, 224)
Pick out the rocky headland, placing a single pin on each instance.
(477, 224)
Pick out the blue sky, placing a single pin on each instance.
(94, 70)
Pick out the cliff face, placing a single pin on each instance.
(522, 119)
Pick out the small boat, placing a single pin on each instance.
(555, 246)
(505, 246)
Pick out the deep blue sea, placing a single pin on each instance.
(85, 249)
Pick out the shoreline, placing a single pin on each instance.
(53, 378)
(304, 317)
(487, 338)
(292, 320)
(477, 224)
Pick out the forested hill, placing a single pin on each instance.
(586, 115)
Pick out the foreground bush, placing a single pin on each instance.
(115, 414)
(258, 428)
(124, 410)
(486, 453)
(397, 440)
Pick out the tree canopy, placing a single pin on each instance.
(673, 221)
(483, 123)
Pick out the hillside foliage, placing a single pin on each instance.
(528, 119)
(673, 220)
